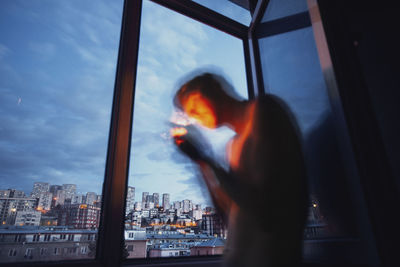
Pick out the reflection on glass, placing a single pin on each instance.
(57, 71)
(169, 212)
(228, 9)
(291, 70)
(277, 9)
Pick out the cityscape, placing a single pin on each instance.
(54, 222)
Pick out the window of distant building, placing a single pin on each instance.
(12, 252)
(18, 238)
(36, 238)
(57, 251)
(47, 237)
(43, 251)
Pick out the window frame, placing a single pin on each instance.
(110, 233)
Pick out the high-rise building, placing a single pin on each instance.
(55, 188)
(70, 190)
(212, 225)
(13, 193)
(186, 205)
(98, 199)
(138, 206)
(130, 199)
(165, 201)
(149, 199)
(91, 198)
(80, 216)
(77, 199)
(156, 199)
(196, 214)
(28, 218)
(4, 193)
(58, 198)
(149, 205)
(9, 206)
(177, 205)
(39, 188)
(44, 202)
(144, 197)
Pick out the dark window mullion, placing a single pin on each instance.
(206, 16)
(251, 44)
(111, 229)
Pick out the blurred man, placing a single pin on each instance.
(263, 194)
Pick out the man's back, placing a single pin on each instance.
(266, 228)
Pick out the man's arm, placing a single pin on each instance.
(246, 195)
(223, 185)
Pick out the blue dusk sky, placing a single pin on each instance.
(57, 71)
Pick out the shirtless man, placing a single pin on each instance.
(264, 193)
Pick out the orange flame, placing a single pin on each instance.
(177, 132)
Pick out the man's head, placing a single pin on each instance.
(202, 99)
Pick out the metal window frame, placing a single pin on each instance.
(110, 235)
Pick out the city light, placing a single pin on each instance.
(180, 219)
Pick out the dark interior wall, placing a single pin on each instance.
(376, 41)
(362, 39)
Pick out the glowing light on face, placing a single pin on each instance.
(197, 107)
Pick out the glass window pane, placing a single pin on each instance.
(277, 9)
(57, 72)
(167, 203)
(291, 70)
(228, 9)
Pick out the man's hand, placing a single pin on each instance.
(192, 144)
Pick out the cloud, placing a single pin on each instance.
(58, 131)
(4, 50)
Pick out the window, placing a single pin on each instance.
(43, 251)
(84, 250)
(47, 237)
(12, 252)
(164, 192)
(57, 73)
(36, 238)
(130, 248)
(55, 102)
(228, 9)
(70, 237)
(72, 250)
(28, 253)
(291, 70)
(18, 238)
(57, 251)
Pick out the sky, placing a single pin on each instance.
(57, 71)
